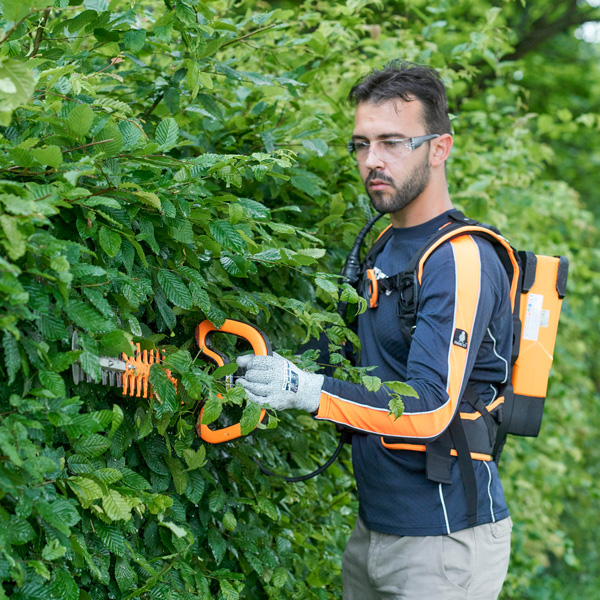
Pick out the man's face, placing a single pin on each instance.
(392, 186)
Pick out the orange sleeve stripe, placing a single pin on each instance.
(432, 423)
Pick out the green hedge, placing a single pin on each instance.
(166, 163)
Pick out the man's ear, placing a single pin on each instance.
(439, 149)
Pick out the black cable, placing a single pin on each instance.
(351, 270)
(308, 475)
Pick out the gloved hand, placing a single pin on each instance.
(275, 381)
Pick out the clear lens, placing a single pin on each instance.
(386, 150)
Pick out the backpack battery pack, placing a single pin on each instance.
(543, 287)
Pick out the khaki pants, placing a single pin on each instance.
(470, 564)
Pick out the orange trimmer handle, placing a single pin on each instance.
(260, 346)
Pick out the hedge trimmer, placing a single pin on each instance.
(131, 372)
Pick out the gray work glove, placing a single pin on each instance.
(275, 381)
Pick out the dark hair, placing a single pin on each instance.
(407, 81)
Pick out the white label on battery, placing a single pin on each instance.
(533, 317)
(545, 320)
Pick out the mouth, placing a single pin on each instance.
(377, 185)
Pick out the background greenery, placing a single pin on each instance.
(163, 163)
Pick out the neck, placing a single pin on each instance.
(433, 201)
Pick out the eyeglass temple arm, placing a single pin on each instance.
(415, 142)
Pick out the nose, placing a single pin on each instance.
(373, 161)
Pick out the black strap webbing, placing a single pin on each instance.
(467, 470)
(439, 463)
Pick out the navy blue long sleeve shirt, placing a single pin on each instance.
(464, 289)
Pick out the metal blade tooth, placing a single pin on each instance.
(104, 377)
(111, 377)
(119, 380)
(89, 378)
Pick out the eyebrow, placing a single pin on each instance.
(382, 136)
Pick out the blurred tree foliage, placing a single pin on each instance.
(163, 163)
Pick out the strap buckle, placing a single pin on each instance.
(408, 298)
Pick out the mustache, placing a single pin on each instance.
(380, 177)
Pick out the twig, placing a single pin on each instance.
(39, 36)
(113, 61)
(243, 37)
(14, 27)
(151, 109)
(88, 145)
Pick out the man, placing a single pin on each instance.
(413, 537)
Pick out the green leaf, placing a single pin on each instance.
(64, 586)
(116, 342)
(80, 119)
(229, 521)
(280, 576)
(267, 507)
(15, 10)
(195, 488)
(116, 506)
(90, 365)
(12, 356)
(112, 537)
(250, 417)
(92, 445)
(200, 296)
(167, 133)
(175, 290)
(308, 183)
(53, 382)
(51, 156)
(124, 574)
(82, 424)
(53, 550)
(396, 406)
(212, 410)
(371, 383)
(178, 361)
(39, 567)
(319, 147)
(117, 420)
(15, 243)
(226, 235)
(195, 459)
(149, 198)
(180, 532)
(97, 5)
(110, 241)
(134, 40)
(111, 138)
(399, 387)
(206, 80)
(21, 532)
(217, 544)
(108, 476)
(164, 390)
(180, 479)
(87, 318)
(225, 370)
(327, 285)
(19, 83)
(86, 489)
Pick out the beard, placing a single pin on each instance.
(402, 195)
